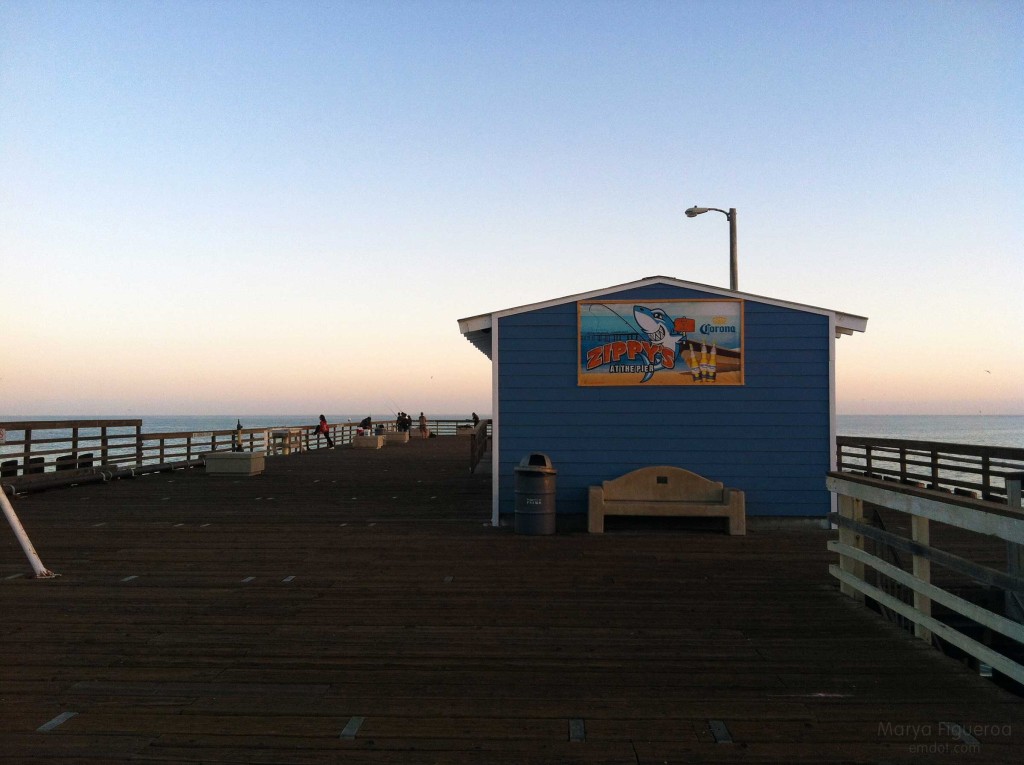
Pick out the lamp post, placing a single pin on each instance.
(734, 277)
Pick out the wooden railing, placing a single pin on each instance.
(924, 506)
(478, 446)
(973, 471)
(44, 453)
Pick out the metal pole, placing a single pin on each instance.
(734, 277)
(40, 570)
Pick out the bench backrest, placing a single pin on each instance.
(663, 483)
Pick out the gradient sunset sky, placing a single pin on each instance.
(276, 207)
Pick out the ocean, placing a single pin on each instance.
(978, 430)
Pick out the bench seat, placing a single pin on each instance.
(665, 491)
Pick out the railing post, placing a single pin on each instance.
(74, 446)
(138, 444)
(904, 478)
(1014, 551)
(104, 446)
(852, 509)
(27, 451)
(920, 532)
(867, 460)
(935, 470)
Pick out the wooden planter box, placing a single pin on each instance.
(234, 463)
(396, 438)
(368, 442)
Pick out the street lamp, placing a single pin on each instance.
(734, 278)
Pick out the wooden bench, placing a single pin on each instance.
(665, 491)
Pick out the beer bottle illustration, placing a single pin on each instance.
(694, 363)
(713, 363)
(704, 373)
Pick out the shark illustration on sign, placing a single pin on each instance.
(661, 331)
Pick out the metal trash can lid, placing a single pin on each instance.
(535, 462)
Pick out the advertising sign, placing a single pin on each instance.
(660, 342)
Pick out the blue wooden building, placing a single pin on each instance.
(736, 387)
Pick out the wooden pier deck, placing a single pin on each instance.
(356, 606)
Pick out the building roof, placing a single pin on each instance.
(477, 329)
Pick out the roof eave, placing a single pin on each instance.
(477, 329)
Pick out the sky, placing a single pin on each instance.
(276, 207)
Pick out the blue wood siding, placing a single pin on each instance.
(769, 437)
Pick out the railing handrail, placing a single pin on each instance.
(67, 424)
(958, 500)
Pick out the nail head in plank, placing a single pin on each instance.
(60, 719)
(720, 731)
(577, 730)
(352, 728)
(959, 732)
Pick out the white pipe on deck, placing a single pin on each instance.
(41, 572)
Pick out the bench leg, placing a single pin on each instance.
(595, 511)
(738, 523)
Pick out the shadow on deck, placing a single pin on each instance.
(356, 606)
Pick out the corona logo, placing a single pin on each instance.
(711, 328)
(719, 321)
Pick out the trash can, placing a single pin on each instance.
(535, 495)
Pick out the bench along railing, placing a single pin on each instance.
(924, 506)
(44, 453)
(976, 471)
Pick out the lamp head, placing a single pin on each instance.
(693, 212)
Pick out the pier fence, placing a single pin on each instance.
(963, 469)
(955, 605)
(45, 453)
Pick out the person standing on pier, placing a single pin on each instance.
(423, 425)
(323, 429)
